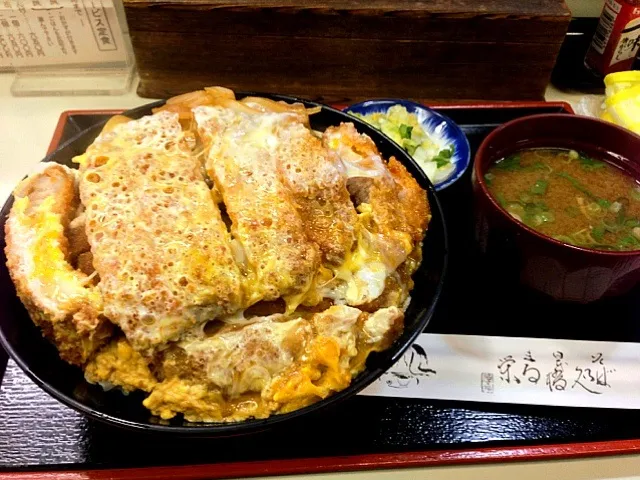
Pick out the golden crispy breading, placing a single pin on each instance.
(399, 207)
(158, 240)
(385, 187)
(55, 180)
(59, 299)
(279, 259)
(315, 177)
(413, 201)
(392, 215)
(118, 364)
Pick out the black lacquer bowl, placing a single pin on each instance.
(39, 359)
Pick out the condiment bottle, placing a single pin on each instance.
(617, 39)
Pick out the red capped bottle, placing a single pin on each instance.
(617, 39)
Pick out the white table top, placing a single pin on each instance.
(26, 128)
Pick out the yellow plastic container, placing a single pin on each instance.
(624, 107)
(619, 81)
(606, 116)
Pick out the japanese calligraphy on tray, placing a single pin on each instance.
(60, 32)
(516, 370)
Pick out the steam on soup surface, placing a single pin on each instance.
(569, 196)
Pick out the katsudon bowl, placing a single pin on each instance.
(41, 362)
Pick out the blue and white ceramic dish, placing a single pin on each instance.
(441, 130)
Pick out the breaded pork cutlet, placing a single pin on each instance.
(60, 300)
(158, 241)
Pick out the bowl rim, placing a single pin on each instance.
(222, 429)
(457, 133)
(479, 179)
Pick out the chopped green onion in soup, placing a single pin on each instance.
(540, 187)
(569, 196)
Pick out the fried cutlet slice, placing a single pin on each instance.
(235, 366)
(245, 359)
(277, 364)
(316, 179)
(59, 299)
(398, 203)
(158, 241)
(280, 260)
(393, 214)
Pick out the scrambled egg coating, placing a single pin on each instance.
(159, 244)
(119, 364)
(220, 256)
(60, 299)
(277, 256)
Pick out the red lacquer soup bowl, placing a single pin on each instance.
(562, 271)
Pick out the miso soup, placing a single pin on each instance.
(569, 196)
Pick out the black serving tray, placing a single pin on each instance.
(38, 433)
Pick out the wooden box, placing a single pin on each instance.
(345, 50)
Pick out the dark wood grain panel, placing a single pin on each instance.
(276, 53)
(459, 27)
(507, 7)
(465, 81)
(349, 50)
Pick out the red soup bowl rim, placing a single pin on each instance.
(479, 178)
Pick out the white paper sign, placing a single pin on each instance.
(534, 371)
(59, 32)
